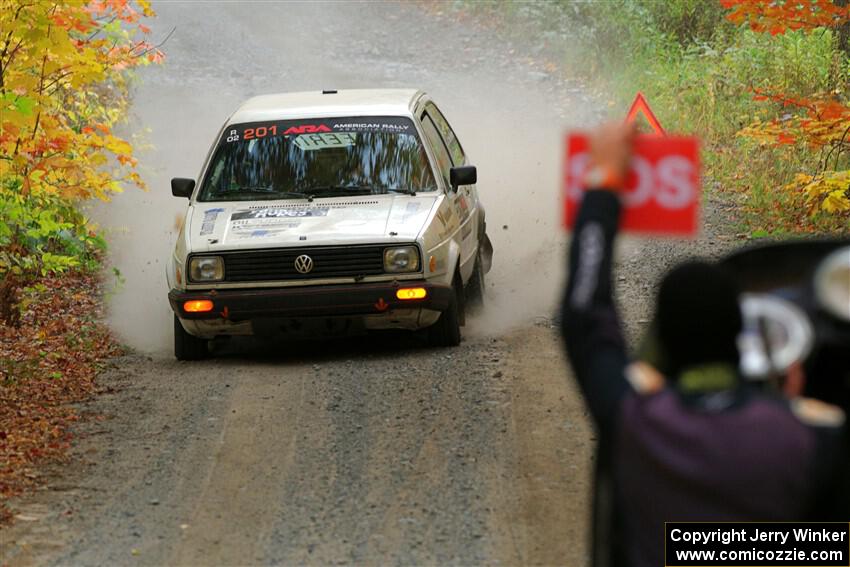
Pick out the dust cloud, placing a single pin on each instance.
(142, 227)
(511, 126)
(519, 186)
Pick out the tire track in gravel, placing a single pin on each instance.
(250, 461)
(400, 459)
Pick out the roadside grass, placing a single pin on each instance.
(47, 364)
(700, 74)
(709, 91)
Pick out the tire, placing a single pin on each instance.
(186, 346)
(446, 331)
(475, 287)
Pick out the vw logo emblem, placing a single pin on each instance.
(304, 264)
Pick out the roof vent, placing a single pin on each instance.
(329, 91)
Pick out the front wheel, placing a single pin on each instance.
(446, 331)
(186, 346)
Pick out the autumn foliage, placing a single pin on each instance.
(63, 88)
(64, 82)
(818, 123)
(778, 16)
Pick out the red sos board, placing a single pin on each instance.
(662, 190)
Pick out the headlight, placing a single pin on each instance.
(206, 269)
(401, 259)
(832, 284)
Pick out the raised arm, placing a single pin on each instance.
(590, 323)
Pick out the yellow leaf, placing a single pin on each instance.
(836, 202)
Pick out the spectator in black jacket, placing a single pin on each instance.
(698, 443)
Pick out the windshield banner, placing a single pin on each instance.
(258, 130)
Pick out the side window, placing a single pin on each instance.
(448, 135)
(444, 162)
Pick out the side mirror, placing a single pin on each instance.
(182, 187)
(462, 175)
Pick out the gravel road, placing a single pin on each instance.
(367, 451)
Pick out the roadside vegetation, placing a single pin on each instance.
(65, 71)
(764, 83)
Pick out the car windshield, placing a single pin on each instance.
(330, 157)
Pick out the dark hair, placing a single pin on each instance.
(698, 316)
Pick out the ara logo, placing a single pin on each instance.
(307, 129)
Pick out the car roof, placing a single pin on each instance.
(318, 104)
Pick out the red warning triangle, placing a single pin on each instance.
(640, 106)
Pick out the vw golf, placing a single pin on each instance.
(329, 212)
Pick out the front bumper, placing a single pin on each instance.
(309, 301)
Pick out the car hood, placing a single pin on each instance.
(219, 226)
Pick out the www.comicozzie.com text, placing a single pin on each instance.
(782, 536)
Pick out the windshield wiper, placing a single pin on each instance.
(264, 191)
(323, 191)
(337, 190)
(308, 196)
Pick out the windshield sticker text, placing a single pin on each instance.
(309, 142)
(307, 129)
(386, 127)
(255, 131)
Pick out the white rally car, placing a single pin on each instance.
(329, 212)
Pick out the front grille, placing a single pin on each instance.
(328, 262)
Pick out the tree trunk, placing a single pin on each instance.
(843, 31)
(10, 312)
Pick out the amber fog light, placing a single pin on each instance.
(406, 293)
(197, 306)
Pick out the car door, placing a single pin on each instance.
(463, 202)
